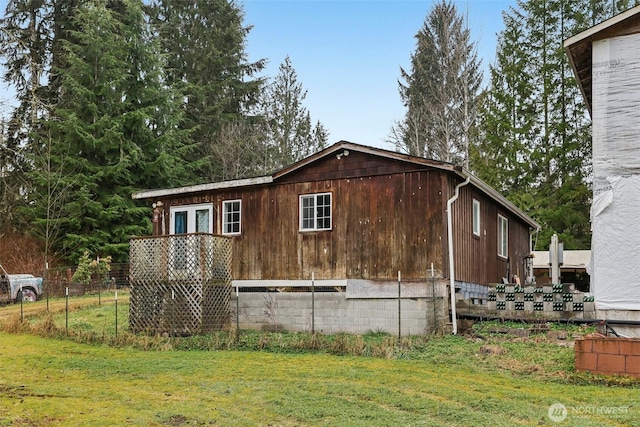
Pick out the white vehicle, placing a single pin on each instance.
(19, 287)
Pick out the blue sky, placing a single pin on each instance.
(348, 53)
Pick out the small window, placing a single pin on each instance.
(315, 212)
(231, 217)
(503, 236)
(476, 217)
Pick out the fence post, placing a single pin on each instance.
(116, 300)
(399, 307)
(432, 279)
(173, 313)
(45, 283)
(237, 313)
(21, 301)
(313, 303)
(66, 311)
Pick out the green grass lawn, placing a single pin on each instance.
(274, 381)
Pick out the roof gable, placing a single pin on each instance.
(348, 160)
(314, 168)
(579, 48)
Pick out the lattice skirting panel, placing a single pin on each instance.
(180, 284)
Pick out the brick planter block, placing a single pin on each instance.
(608, 356)
(629, 346)
(608, 346)
(586, 361)
(614, 363)
(633, 365)
(583, 346)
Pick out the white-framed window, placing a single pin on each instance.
(503, 236)
(315, 212)
(232, 217)
(191, 219)
(476, 217)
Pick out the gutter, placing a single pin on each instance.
(450, 241)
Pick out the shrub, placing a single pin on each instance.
(91, 268)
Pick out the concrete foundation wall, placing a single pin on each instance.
(333, 312)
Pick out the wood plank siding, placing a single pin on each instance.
(476, 257)
(388, 215)
(381, 224)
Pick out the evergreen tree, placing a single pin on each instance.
(11, 185)
(536, 144)
(204, 43)
(440, 91)
(111, 129)
(24, 52)
(507, 113)
(290, 135)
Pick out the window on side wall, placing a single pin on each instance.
(503, 236)
(315, 212)
(231, 217)
(476, 217)
(191, 219)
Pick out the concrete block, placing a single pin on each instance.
(586, 361)
(629, 346)
(633, 365)
(528, 307)
(606, 346)
(613, 363)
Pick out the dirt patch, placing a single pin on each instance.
(492, 349)
(176, 420)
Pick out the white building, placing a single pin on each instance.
(606, 62)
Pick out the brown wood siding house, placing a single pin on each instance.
(385, 212)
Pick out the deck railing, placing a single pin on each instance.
(180, 284)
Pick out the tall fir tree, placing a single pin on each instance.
(441, 89)
(536, 142)
(204, 43)
(25, 56)
(290, 135)
(506, 113)
(112, 124)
